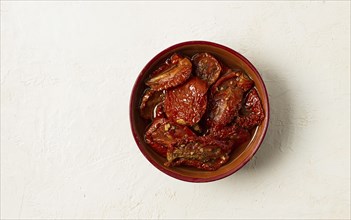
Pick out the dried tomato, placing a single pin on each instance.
(206, 67)
(173, 72)
(162, 133)
(252, 113)
(159, 148)
(186, 104)
(210, 165)
(244, 82)
(233, 134)
(226, 97)
(149, 101)
(202, 152)
(233, 78)
(224, 105)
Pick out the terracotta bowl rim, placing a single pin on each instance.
(150, 158)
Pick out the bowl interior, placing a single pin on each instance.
(241, 154)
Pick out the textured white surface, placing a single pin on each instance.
(66, 75)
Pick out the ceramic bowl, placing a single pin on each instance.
(240, 155)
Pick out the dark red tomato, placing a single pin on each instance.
(164, 133)
(175, 71)
(186, 103)
(224, 106)
(252, 113)
(226, 98)
(149, 101)
(160, 149)
(244, 82)
(229, 79)
(206, 67)
(210, 165)
(233, 134)
(202, 150)
(232, 79)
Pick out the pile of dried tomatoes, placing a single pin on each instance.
(200, 110)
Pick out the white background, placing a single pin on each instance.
(67, 69)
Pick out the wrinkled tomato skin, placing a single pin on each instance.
(175, 71)
(186, 104)
(150, 100)
(224, 106)
(207, 166)
(162, 133)
(253, 113)
(226, 98)
(200, 148)
(202, 152)
(207, 67)
(160, 149)
(244, 82)
(235, 78)
(233, 134)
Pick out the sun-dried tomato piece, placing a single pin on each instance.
(252, 113)
(224, 106)
(233, 134)
(149, 101)
(162, 133)
(159, 148)
(202, 152)
(186, 104)
(173, 72)
(211, 165)
(226, 98)
(201, 148)
(206, 67)
(232, 78)
(244, 82)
